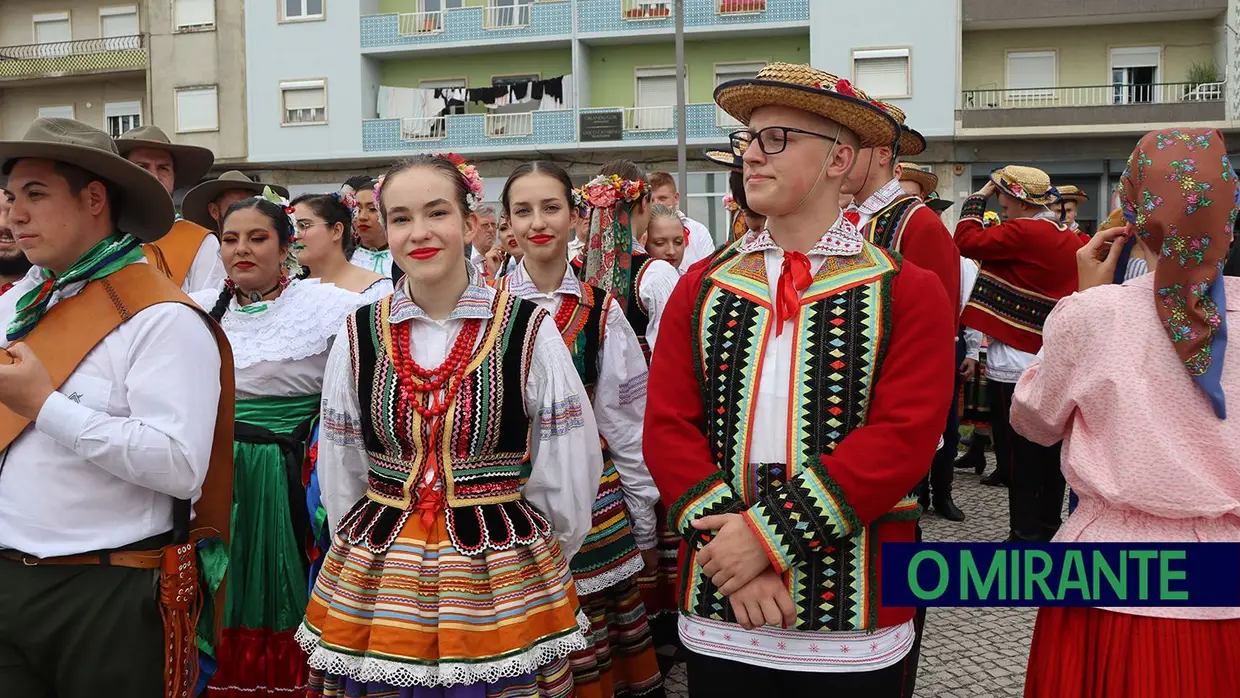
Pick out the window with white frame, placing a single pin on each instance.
(1032, 74)
(656, 100)
(883, 73)
(726, 72)
(121, 117)
(198, 109)
(193, 14)
(53, 33)
(1134, 74)
(302, 9)
(305, 102)
(59, 112)
(118, 22)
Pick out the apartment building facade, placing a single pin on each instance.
(178, 64)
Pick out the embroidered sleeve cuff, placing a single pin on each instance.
(710, 496)
(973, 207)
(808, 511)
(763, 526)
(62, 420)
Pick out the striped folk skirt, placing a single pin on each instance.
(424, 620)
(619, 659)
(1092, 653)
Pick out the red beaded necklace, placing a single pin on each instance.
(419, 387)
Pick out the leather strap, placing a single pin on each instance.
(140, 560)
(174, 253)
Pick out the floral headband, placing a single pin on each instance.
(604, 191)
(348, 198)
(729, 203)
(290, 264)
(476, 191)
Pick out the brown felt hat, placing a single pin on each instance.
(194, 206)
(192, 162)
(815, 91)
(145, 209)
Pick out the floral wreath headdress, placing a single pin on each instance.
(292, 268)
(473, 200)
(609, 248)
(348, 198)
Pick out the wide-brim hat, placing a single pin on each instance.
(911, 143)
(936, 204)
(192, 162)
(927, 180)
(725, 158)
(145, 209)
(1071, 192)
(815, 91)
(194, 207)
(1028, 184)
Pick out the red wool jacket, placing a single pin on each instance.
(875, 465)
(1027, 265)
(926, 242)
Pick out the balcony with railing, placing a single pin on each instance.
(1118, 104)
(494, 22)
(628, 16)
(69, 58)
(470, 132)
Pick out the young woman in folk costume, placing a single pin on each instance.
(328, 239)
(538, 200)
(280, 330)
(616, 264)
(459, 462)
(372, 253)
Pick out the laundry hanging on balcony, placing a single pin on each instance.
(424, 102)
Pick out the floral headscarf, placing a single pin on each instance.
(609, 249)
(1179, 192)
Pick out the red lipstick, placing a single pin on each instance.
(424, 253)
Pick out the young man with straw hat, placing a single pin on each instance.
(796, 398)
(1028, 262)
(115, 413)
(189, 254)
(1071, 199)
(206, 203)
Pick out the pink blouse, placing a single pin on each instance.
(1141, 446)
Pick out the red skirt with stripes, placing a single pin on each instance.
(1092, 653)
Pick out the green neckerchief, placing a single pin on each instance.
(107, 256)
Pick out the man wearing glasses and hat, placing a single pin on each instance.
(795, 403)
(116, 408)
(189, 254)
(1028, 262)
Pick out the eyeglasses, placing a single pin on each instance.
(773, 140)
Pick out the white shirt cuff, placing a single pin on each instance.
(62, 419)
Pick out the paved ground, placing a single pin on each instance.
(966, 652)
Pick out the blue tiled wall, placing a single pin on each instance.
(466, 25)
(604, 15)
(468, 132)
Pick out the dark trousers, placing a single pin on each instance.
(1000, 429)
(1035, 492)
(79, 631)
(710, 677)
(943, 467)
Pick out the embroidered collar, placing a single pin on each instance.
(882, 198)
(520, 283)
(474, 303)
(841, 240)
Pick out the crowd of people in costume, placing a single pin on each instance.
(390, 440)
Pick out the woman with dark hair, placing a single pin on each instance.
(1147, 446)
(325, 232)
(459, 462)
(372, 251)
(620, 660)
(280, 330)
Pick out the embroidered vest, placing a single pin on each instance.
(581, 323)
(886, 228)
(839, 338)
(634, 311)
(485, 449)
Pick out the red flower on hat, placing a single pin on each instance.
(845, 88)
(879, 104)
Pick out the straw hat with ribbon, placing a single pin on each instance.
(145, 209)
(192, 162)
(1071, 192)
(812, 90)
(194, 207)
(1029, 184)
(924, 178)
